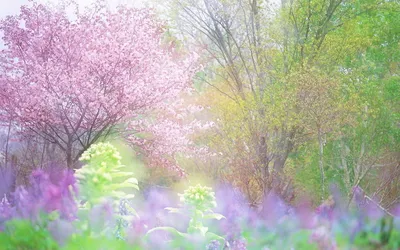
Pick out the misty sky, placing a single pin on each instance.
(10, 7)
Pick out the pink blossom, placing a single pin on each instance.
(71, 81)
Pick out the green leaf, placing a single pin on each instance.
(172, 230)
(198, 229)
(216, 216)
(212, 236)
(173, 210)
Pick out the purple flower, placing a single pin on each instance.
(233, 206)
(7, 180)
(322, 236)
(213, 245)
(239, 244)
(305, 215)
(6, 211)
(44, 195)
(273, 209)
(101, 216)
(61, 230)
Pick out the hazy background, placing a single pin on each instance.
(10, 7)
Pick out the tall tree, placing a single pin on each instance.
(242, 73)
(355, 52)
(71, 81)
(264, 106)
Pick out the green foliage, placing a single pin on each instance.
(358, 47)
(88, 242)
(24, 235)
(384, 235)
(103, 183)
(303, 166)
(263, 238)
(102, 176)
(199, 200)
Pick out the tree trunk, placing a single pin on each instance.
(7, 143)
(285, 146)
(343, 155)
(321, 163)
(69, 157)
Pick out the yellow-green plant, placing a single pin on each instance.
(102, 177)
(199, 202)
(102, 180)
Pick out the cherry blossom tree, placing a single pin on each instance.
(169, 133)
(71, 81)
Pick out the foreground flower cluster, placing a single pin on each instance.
(94, 209)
